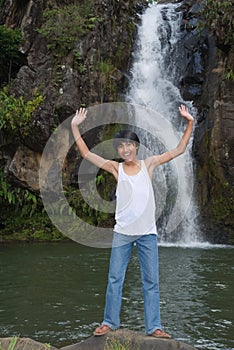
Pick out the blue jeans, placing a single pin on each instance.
(147, 248)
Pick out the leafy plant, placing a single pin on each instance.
(230, 74)
(10, 40)
(15, 114)
(114, 343)
(20, 199)
(64, 25)
(94, 213)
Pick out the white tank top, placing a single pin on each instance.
(135, 203)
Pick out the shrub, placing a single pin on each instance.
(10, 40)
(15, 114)
(64, 25)
(19, 198)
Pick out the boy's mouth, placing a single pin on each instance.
(127, 154)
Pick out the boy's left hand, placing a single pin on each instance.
(185, 113)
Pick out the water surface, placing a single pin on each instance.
(55, 293)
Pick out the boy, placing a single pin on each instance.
(135, 220)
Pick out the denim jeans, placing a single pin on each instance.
(147, 248)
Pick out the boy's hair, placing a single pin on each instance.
(124, 136)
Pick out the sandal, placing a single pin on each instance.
(160, 334)
(101, 330)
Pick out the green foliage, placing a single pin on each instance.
(10, 40)
(15, 114)
(94, 214)
(114, 343)
(64, 25)
(222, 209)
(106, 71)
(78, 62)
(23, 217)
(13, 343)
(38, 227)
(218, 17)
(230, 74)
(21, 200)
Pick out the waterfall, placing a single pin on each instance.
(154, 78)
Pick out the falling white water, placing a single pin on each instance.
(153, 84)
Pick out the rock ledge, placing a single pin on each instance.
(112, 340)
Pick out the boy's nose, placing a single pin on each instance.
(126, 148)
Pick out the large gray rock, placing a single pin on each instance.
(23, 344)
(132, 340)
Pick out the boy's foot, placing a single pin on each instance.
(101, 330)
(160, 334)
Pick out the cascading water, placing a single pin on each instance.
(153, 84)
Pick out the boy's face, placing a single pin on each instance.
(127, 150)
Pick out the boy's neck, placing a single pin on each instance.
(133, 163)
(132, 167)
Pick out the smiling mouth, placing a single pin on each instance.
(127, 154)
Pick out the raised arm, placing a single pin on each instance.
(100, 162)
(154, 161)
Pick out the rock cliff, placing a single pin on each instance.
(92, 69)
(207, 83)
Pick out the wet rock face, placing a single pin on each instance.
(195, 46)
(204, 82)
(213, 150)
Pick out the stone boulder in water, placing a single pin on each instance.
(113, 340)
(23, 344)
(129, 339)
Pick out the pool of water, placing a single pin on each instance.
(55, 293)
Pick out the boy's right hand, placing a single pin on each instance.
(79, 117)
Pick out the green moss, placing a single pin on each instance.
(36, 228)
(217, 16)
(106, 71)
(214, 190)
(223, 203)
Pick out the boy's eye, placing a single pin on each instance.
(126, 144)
